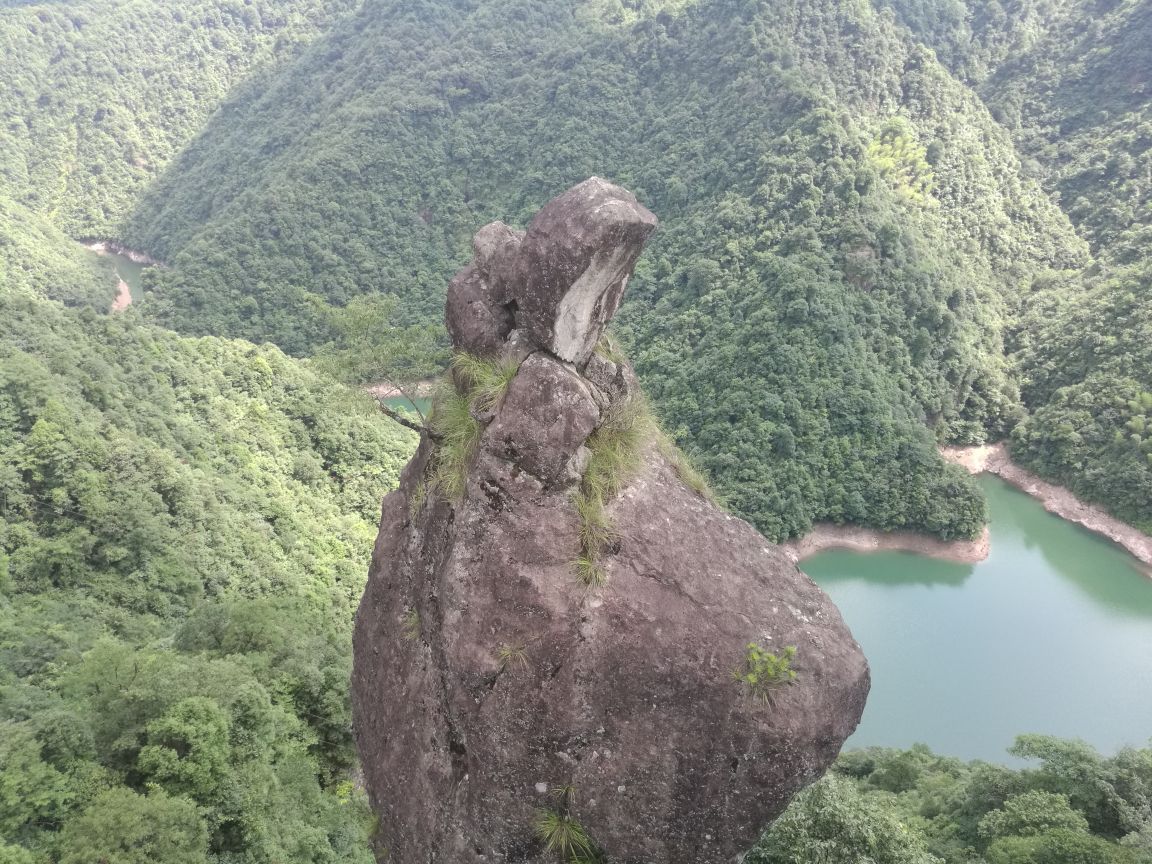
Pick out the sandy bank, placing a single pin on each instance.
(994, 459)
(387, 390)
(112, 247)
(123, 297)
(825, 535)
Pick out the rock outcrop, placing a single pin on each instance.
(492, 688)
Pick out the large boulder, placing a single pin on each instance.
(493, 689)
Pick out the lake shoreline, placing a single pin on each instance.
(115, 247)
(1057, 500)
(103, 248)
(993, 459)
(856, 538)
(388, 390)
(123, 296)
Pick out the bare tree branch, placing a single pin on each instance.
(411, 401)
(404, 421)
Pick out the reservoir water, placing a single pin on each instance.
(126, 269)
(129, 271)
(403, 402)
(1052, 633)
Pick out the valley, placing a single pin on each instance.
(891, 233)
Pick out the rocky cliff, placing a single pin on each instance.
(565, 651)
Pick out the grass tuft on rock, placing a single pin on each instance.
(610, 350)
(512, 655)
(487, 380)
(416, 498)
(689, 474)
(617, 448)
(459, 433)
(410, 625)
(589, 572)
(453, 419)
(596, 531)
(563, 835)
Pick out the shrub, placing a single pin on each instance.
(764, 671)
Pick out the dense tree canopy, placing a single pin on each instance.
(1071, 83)
(883, 229)
(848, 234)
(1070, 806)
(844, 225)
(185, 531)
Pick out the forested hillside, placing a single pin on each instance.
(882, 229)
(1072, 83)
(96, 97)
(184, 532)
(1079, 104)
(40, 260)
(844, 224)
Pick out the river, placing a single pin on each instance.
(1051, 633)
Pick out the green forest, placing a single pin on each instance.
(186, 528)
(869, 213)
(834, 202)
(862, 262)
(884, 227)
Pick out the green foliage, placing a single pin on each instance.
(97, 122)
(596, 531)
(122, 827)
(32, 793)
(454, 422)
(617, 447)
(841, 282)
(474, 387)
(368, 345)
(901, 160)
(512, 655)
(459, 433)
(1071, 83)
(188, 750)
(485, 380)
(616, 450)
(590, 572)
(763, 671)
(799, 320)
(562, 834)
(1058, 846)
(1083, 344)
(1075, 806)
(1115, 794)
(37, 258)
(410, 625)
(185, 528)
(832, 823)
(1032, 813)
(685, 469)
(609, 349)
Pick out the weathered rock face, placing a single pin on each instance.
(487, 677)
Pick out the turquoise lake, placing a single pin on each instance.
(1052, 633)
(131, 272)
(409, 405)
